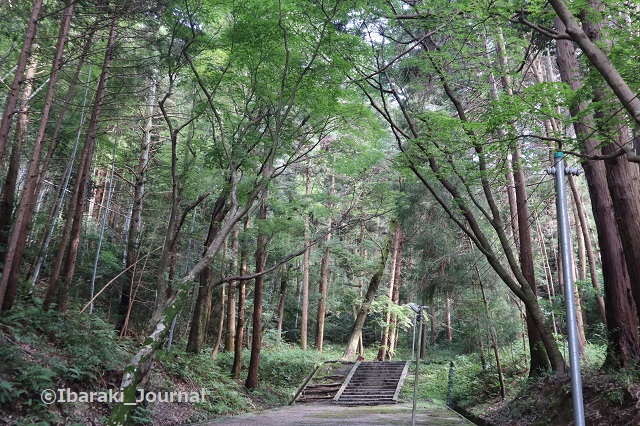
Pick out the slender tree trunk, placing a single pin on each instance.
(395, 298)
(547, 272)
(256, 342)
(202, 310)
(103, 222)
(18, 80)
(324, 276)
(9, 190)
(216, 346)
(350, 351)
(283, 289)
(85, 167)
(384, 344)
(242, 294)
(46, 237)
(447, 317)
(433, 325)
(494, 340)
(304, 320)
(363, 256)
(18, 238)
(139, 188)
(591, 258)
(98, 194)
(539, 360)
(231, 302)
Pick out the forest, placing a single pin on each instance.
(222, 195)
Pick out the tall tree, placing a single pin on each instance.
(73, 225)
(18, 80)
(261, 257)
(11, 179)
(139, 190)
(324, 274)
(349, 353)
(18, 238)
(622, 320)
(306, 263)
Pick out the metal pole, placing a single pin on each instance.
(564, 237)
(413, 344)
(415, 382)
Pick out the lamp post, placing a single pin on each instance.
(418, 311)
(565, 251)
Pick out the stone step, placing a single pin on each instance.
(371, 383)
(364, 388)
(368, 394)
(368, 399)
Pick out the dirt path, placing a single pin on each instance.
(332, 414)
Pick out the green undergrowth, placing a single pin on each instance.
(45, 350)
(474, 387)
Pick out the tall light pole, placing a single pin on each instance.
(418, 311)
(565, 251)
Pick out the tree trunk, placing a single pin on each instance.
(447, 317)
(45, 239)
(433, 325)
(539, 362)
(133, 234)
(18, 238)
(547, 272)
(623, 177)
(14, 89)
(600, 61)
(202, 310)
(231, 302)
(283, 289)
(216, 346)
(304, 320)
(591, 258)
(395, 298)
(350, 351)
(324, 276)
(9, 190)
(494, 340)
(384, 344)
(80, 187)
(256, 341)
(622, 320)
(539, 359)
(236, 369)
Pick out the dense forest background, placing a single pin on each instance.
(221, 176)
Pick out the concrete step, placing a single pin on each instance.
(372, 383)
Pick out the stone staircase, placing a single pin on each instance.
(325, 382)
(372, 383)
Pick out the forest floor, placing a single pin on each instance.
(609, 399)
(327, 413)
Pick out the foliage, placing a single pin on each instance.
(44, 350)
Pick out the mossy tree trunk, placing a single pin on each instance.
(352, 344)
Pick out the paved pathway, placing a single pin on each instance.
(333, 414)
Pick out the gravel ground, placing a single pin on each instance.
(332, 414)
